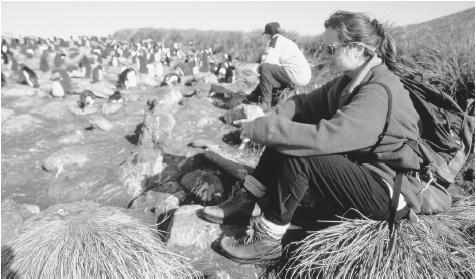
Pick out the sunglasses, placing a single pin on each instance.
(331, 48)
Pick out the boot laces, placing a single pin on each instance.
(252, 234)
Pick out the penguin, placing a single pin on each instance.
(4, 80)
(44, 67)
(143, 64)
(171, 79)
(27, 76)
(98, 58)
(5, 52)
(97, 73)
(85, 66)
(14, 63)
(127, 79)
(86, 99)
(63, 78)
(230, 75)
(59, 59)
(159, 69)
(114, 61)
(116, 97)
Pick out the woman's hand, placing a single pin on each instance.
(243, 126)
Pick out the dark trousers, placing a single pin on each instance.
(337, 185)
(271, 77)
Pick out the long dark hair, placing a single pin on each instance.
(357, 27)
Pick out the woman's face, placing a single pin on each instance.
(344, 59)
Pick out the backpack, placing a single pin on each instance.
(444, 145)
(447, 132)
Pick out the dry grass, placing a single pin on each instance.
(93, 244)
(440, 246)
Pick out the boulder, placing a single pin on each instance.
(197, 239)
(170, 187)
(75, 136)
(155, 203)
(6, 113)
(157, 128)
(204, 185)
(140, 166)
(243, 112)
(111, 108)
(101, 123)
(27, 101)
(53, 110)
(13, 216)
(66, 157)
(19, 90)
(76, 110)
(20, 123)
(167, 98)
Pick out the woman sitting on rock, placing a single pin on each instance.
(313, 141)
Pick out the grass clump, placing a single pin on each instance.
(438, 246)
(92, 244)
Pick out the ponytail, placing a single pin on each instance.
(358, 27)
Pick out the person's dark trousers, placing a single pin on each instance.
(271, 77)
(337, 184)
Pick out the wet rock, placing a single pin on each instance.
(19, 90)
(76, 110)
(12, 224)
(95, 184)
(188, 230)
(13, 216)
(27, 101)
(136, 172)
(73, 137)
(6, 113)
(206, 78)
(25, 210)
(156, 129)
(204, 185)
(197, 239)
(168, 98)
(101, 123)
(66, 157)
(102, 89)
(243, 112)
(54, 110)
(61, 210)
(111, 108)
(20, 123)
(181, 196)
(170, 187)
(155, 203)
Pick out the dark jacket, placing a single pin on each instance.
(328, 121)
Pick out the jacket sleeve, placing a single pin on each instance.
(353, 127)
(307, 108)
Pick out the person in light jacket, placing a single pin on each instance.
(283, 65)
(317, 140)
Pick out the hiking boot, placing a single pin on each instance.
(256, 246)
(240, 206)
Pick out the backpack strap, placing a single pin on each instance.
(387, 119)
(397, 186)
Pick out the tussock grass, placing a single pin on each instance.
(439, 246)
(93, 244)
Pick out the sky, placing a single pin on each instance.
(101, 18)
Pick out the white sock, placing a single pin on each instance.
(273, 230)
